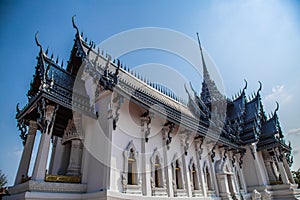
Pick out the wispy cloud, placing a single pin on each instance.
(279, 93)
(295, 131)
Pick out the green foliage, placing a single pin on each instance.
(296, 175)
(3, 179)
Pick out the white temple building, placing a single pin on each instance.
(109, 134)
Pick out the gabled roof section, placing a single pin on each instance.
(77, 52)
(237, 109)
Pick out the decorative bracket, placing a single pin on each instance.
(170, 126)
(47, 115)
(185, 134)
(242, 153)
(119, 100)
(146, 118)
(225, 154)
(199, 148)
(23, 129)
(106, 81)
(252, 151)
(213, 153)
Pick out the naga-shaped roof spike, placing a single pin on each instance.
(277, 108)
(186, 89)
(246, 84)
(47, 50)
(57, 59)
(37, 41)
(62, 63)
(74, 25)
(51, 56)
(195, 93)
(259, 89)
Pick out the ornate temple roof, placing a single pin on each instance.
(243, 121)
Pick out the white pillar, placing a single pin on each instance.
(288, 171)
(198, 145)
(213, 176)
(186, 174)
(27, 152)
(258, 166)
(40, 166)
(57, 153)
(284, 177)
(74, 168)
(146, 169)
(54, 142)
(167, 168)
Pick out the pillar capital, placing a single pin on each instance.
(32, 127)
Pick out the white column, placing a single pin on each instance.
(74, 168)
(27, 152)
(258, 168)
(242, 179)
(146, 170)
(167, 167)
(213, 176)
(282, 172)
(200, 171)
(288, 171)
(40, 166)
(284, 176)
(186, 173)
(56, 155)
(54, 142)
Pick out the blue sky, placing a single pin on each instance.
(252, 39)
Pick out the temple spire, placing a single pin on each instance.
(205, 71)
(209, 91)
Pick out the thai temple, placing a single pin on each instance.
(107, 133)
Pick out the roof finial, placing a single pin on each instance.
(277, 108)
(37, 41)
(205, 71)
(260, 87)
(246, 84)
(74, 25)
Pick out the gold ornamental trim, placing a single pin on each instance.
(62, 179)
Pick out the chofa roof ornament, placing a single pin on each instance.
(37, 41)
(74, 25)
(259, 89)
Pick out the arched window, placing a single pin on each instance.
(194, 177)
(130, 176)
(132, 172)
(208, 178)
(178, 177)
(158, 183)
(158, 179)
